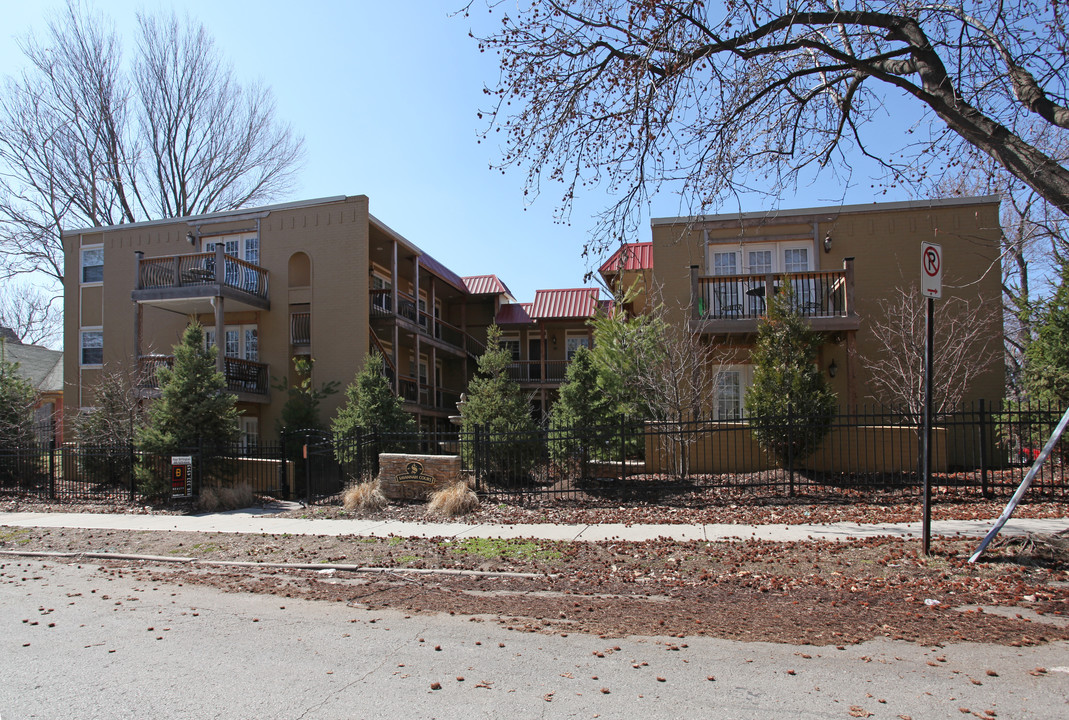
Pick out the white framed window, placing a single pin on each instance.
(723, 295)
(92, 347)
(572, 343)
(245, 247)
(760, 261)
(421, 306)
(511, 342)
(730, 392)
(380, 300)
(92, 265)
(240, 341)
(249, 437)
(796, 259)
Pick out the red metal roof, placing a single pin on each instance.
(635, 256)
(571, 303)
(514, 314)
(486, 285)
(443, 272)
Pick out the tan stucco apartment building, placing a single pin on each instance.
(714, 273)
(321, 278)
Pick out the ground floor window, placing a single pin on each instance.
(730, 393)
(249, 437)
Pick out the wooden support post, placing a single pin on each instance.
(694, 314)
(220, 335)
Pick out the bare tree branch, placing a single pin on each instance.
(964, 349)
(86, 142)
(712, 98)
(32, 316)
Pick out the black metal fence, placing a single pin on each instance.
(110, 474)
(977, 450)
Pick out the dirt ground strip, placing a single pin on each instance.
(812, 593)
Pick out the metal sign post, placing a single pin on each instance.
(929, 351)
(931, 288)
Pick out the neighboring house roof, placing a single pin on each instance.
(41, 366)
(633, 256)
(570, 303)
(486, 285)
(514, 314)
(443, 272)
(8, 335)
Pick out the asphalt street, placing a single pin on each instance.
(79, 641)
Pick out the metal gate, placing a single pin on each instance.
(317, 472)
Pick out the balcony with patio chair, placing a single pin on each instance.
(197, 277)
(735, 304)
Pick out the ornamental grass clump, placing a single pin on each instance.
(453, 501)
(364, 497)
(221, 499)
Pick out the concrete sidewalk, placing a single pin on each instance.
(257, 521)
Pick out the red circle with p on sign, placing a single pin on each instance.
(931, 261)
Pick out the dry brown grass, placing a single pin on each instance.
(367, 496)
(221, 499)
(453, 501)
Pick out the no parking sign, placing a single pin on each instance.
(931, 270)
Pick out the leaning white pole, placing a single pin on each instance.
(1025, 484)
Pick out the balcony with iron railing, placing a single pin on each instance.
(538, 373)
(726, 304)
(200, 275)
(423, 322)
(420, 393)
(245, 378)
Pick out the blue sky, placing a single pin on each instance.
(387, 101)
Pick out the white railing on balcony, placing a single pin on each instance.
(200, 269)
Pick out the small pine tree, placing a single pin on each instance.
(581, 406)
(790, 403)
(16, 419)
(496, 406)
(370, 404)
(194, 410)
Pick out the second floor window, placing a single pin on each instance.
(92, 347)
(572, 344)
(512, 344)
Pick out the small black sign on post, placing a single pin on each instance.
(931, 288)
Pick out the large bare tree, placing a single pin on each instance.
(88, 139)
(734, 96)
(1034, 236)
(31, 315)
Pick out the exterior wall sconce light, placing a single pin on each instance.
(553, 339)
(191, 238)
(833, 368)
(827, 243)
